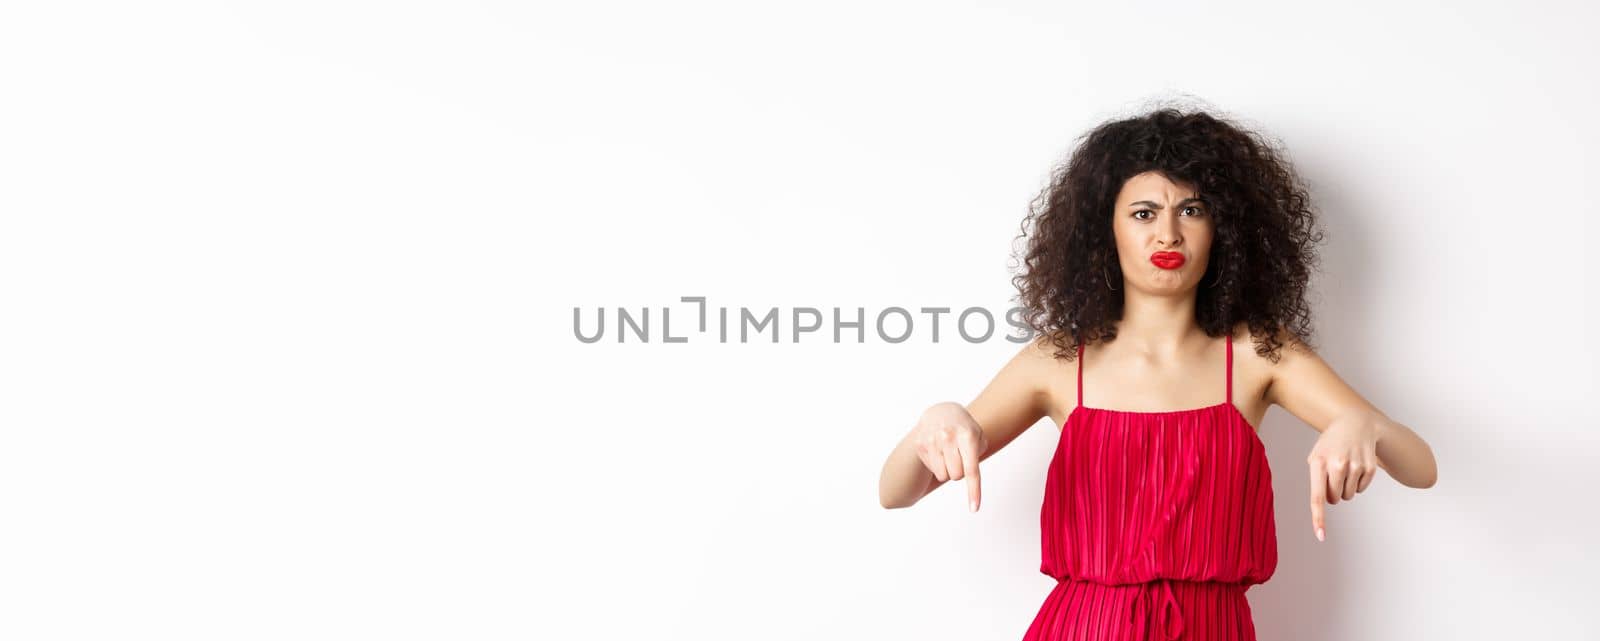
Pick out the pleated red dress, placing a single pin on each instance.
(1154, 524)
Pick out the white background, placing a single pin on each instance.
(288, 303)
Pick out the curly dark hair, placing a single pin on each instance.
(1262, 254)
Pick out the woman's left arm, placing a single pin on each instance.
(1355, 434)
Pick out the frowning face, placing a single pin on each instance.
(1163, 232)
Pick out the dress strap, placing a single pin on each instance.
(1230, 368)
(1080, 372)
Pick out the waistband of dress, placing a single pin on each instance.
(1211, 584)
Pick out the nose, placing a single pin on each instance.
(1168, 233)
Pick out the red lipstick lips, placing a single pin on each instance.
(1167, 260)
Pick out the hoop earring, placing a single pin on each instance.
(1107, 279)
(1217, 280)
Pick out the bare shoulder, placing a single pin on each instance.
(1306, 386)
(1017, 397)
(1027, 373)
(1034, 372)
(1290, 351)
(1054, 374)
(1253, 373)
(1037, 359)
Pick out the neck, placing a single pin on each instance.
(1162, 325)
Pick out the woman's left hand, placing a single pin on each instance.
(1343, 462)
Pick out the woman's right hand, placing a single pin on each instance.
(950, 443)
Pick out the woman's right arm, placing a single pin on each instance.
(949, 440)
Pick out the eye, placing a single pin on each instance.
(1197, 211)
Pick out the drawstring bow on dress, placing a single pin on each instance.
(1168, 604)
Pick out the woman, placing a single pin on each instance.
(1167, 263)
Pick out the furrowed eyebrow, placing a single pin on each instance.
(1150, 205)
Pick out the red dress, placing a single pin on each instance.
(1155, 524)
